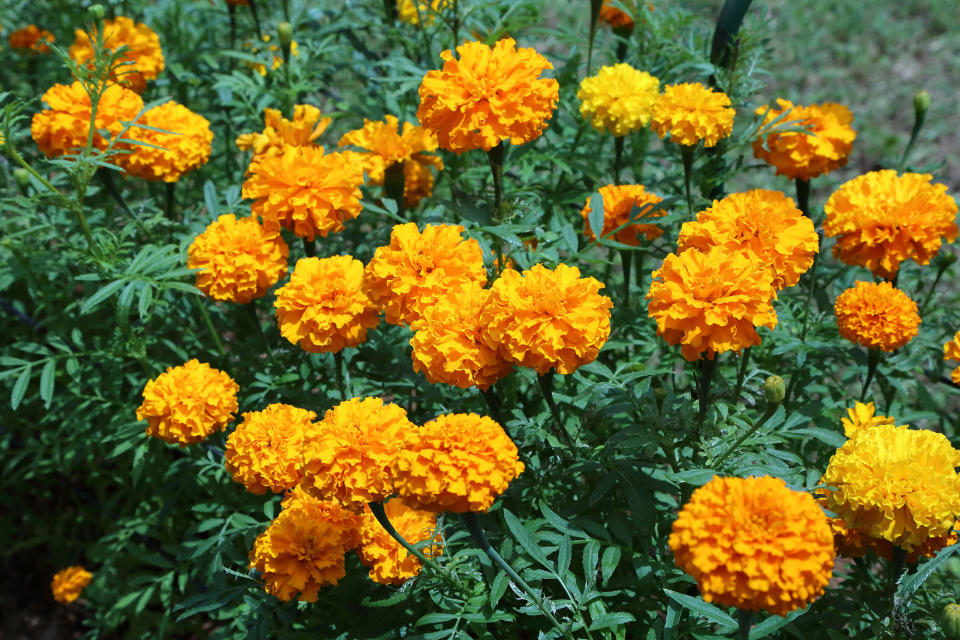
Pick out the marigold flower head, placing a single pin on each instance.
(187, 403)
(618, 99)
(881, 219)
(754, 543)
(303, 130)
(186, 146)
(349, 456)
(418, 12)
(304, 190)
(389, 562)
(263, 452)
(825, 145)
(487, 96)
(951, 350)
(763, 225)
(63, 128)
(457, 462)
(711, 301)
(69, 583)
(862, 416)
(616, 18)
(238, 259)
(620, 203)
(303, 548)
(143, 51)
(874, 485)
(448, 346)
(877, 316)
(323, 308)
(546, 319)
(31, 38)
(691, 112)
(408, 275)
(386, 147)
(855, 543)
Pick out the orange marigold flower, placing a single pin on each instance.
(457, 462)
(763, 225)
(143, 51)
(303, 130)
(754, 543)
(323, 308)
(185, 404)
(618, 99)
(877, 316)
(349, 456)
(487, 96)
(263, 452)
(63, 128)
(186, 146)
(304, 190)
(849, 543)
(238, 259)
(711, 301)
(824, 146)
(616, 18)
(545, 318)
(303, 549)
(67, 584)
(418, 12)
(881, 219)
(862, 416)
(389, 562)
(415, 269)
(386, 147)
(955, 375)
(873, 484)
(448, 346)
(951, 350)
(620, 204)
(691, 112)
(32, 39)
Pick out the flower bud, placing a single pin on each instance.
(659, 393)
(953, 566)
(22, 176)
(921, 102)
(774, 389)
(285, 34)
(950, 621)
(96, 11)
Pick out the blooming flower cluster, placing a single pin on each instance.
(877, 316)
(184, 147)
(618, 99)
(802, 155)
(143, 53)
(69, 583)
(691, 112)
(389, 562)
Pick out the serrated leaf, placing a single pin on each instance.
(611, 619)
(702, 608)
(563, 556)
(47, 376)
(908, 585)
(100, 295)
(20, 387)
(595, 217)
(523, 537)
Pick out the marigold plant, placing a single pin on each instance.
(618, 99)
(881, 219)
(754, 543)
(302, 130)
(620, 204)
(186, 147)
(951, 351)
(389, 562)
(691, 112)
(824, 145)
(417, 12)
(877, 316)
(143, 53)
(32, 39)
(863, 416)
(69, 583)
(487, 96)
(615, 17)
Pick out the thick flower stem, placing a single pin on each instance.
(617, 158)
(309, 247)
(232, 12)
(473, 526)
(171, 188)
(258, 328)
(210, 328)
(707, 367)
(874, 356)
(493, 404)
(256, 18)
(626, 258)
(686, 154)
(393, 184)
(495, 155)
(390, 9)
(623, 33)
(594, 18)
(944, 264)
(741, 374)
(919, 116)
(338, 374)
(546, 387)
(771, 409)
(746, 617)
(803, 196)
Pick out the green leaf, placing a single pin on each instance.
(20, 387)
(609, 562)
(497, 588)
(595, 217)
(908, 585)
(704, 609)
(146, 299)
(563, 556)
(101, 294)
(523, 537)
(47, 376)
(612, 619)
(774, 623)
(591, 555)
(210, 199)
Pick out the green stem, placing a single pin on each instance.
(707, 367)
(617, 158)
(771, 409)
(393, 184)
(926, 300)
(623, 34)
(338, 374)
(746, 617)
(546, 387)
(594, 18)
(232, 12)
(210, 328)
(803, 196)
(493, 404)
(390, 10)
(171, 199)
(741, 374)
(256, 18)
(686, 154)
(626, 258)
(918, 121)
(473, 526)
(874, 356)
(495, 155)
(258, 328)
(309, 247)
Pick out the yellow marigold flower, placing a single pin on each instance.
(754, 543)
(877, 316)
(389, 562)
(825, 146)
(420, 11)
(415, 269)
(32, 39)
(323, 308)
(955, 375)
(881, 219)
(545, 318)
(185, 404)
(763, 225)
(951, 350)
(143, 51)
(618, 99)
(349, 456)
(457, 462)
(862, 416)
(712, 301)
(186, 146)
(691, 112)
(303, 130)
(874, 485)
(64, 126)
(386, 147)
(276, 60)
(304, 190)
(616, 18)
(304, 547)
(263, 452)
(68, 583)
(619, 202)
(448, 346)
(487, 96)
(238, 259)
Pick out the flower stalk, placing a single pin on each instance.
(874, 356)
(546, 388)
(686, 154)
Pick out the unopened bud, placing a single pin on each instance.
(96, 11)
(22, 176)
(285, 34)
(950, 621)
(659, 393)
(921, 102)
(774, 389)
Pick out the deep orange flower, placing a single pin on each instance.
(881, 219)
(616, 18)
(692, 112)
(143, 51)
(185, 148)
(32, 39)
(487, 96)
(389, 562)
(951, 350)
(69, 583)
(620, 203)
(824, 146)
(303, 130)
(877, 316)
